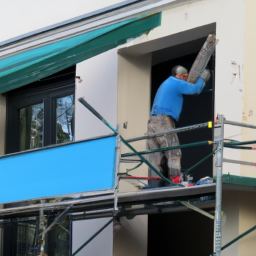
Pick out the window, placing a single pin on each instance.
(41, 113)
(20, 238)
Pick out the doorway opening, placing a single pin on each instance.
(183, 226)
(196, 108)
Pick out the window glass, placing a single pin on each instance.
(25, 239)
(41, 114)
(31, 127)
(64, 119)
(21, 238)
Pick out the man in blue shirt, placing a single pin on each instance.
(166, 109)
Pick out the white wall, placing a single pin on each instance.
(19, 17)
(101, 245)
(99, 88)
(249, 85)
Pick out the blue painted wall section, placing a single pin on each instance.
(76, 167)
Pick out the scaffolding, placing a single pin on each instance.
(109, 203)
(219, 165)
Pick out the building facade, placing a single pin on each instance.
(121, 82)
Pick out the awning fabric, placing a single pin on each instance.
(30, 66)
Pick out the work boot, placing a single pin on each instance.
(175, 172)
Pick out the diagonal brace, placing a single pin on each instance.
(92, 237)
(194, 208)
(89, 107)
(58, 221)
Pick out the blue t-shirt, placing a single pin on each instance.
(169, 98)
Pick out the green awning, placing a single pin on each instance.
(30, 66)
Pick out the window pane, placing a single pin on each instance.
(25, 239)
(64, 122)
(31, 126)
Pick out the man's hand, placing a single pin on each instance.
(206, 75)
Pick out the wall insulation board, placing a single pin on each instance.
(72, 168)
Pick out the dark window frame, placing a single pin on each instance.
(46, 90)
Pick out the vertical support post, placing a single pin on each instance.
(35, 252)
(117, 164)
(42, 224)
(218, 224)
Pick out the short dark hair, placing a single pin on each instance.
(177, 70)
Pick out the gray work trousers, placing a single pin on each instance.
(161, 123)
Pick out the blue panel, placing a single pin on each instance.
(76, 167)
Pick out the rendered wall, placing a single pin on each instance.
(230, 229)
(249, 106)
(99, 88)
(2, 123)
(132, 238)
(133, 103)
(240, 209)
(247, 219)
(133, 109)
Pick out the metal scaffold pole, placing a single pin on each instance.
(218, 224)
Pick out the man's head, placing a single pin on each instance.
(180, 72)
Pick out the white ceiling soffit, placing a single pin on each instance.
(168, 41)
(21, 44)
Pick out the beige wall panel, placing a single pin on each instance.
(230, 230)
(249, 107)
(133, 106)
(131, 240)
(247, 219)
(2, 123)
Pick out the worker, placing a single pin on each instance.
(165, 112)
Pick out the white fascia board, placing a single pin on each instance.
(99, 12)
(51, 36)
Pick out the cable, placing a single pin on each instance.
(240, 143)
(194, 166)
(128, 170)
(240, 147)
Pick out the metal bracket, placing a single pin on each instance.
(117, 165)
(58, 221)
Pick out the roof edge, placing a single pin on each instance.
(73, 20)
